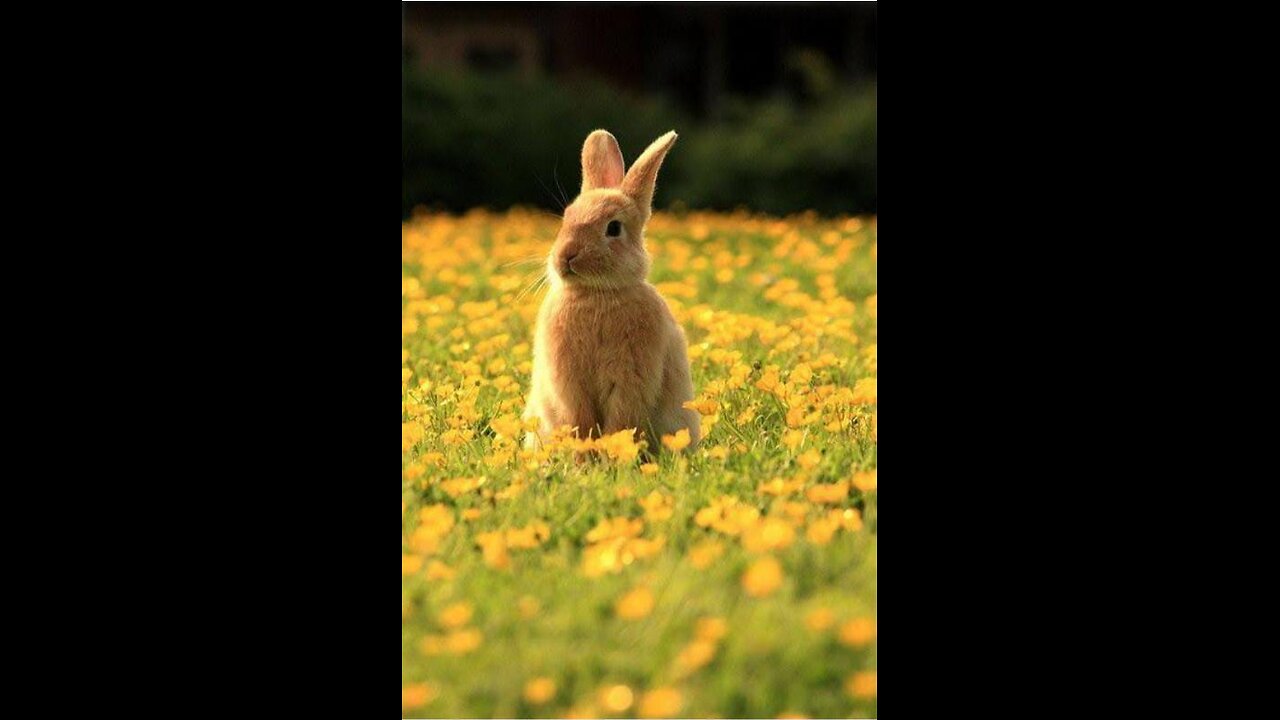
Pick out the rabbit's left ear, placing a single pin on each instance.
(643, 175)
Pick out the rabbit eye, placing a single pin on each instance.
(614, 229)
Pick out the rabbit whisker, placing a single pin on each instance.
(544, 187)
(531, 287)
(564, 199)
(525, 261)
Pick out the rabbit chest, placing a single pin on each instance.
(599, 340)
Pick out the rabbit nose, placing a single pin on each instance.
(566, 260)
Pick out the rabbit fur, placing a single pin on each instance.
(608, 354)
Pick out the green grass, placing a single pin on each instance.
(769, 661)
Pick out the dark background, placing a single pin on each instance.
(775, 103)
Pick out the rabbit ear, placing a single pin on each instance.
(643, 175)
(601, 161)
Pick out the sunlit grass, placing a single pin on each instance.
(734, 580)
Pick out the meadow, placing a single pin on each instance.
(734, 579)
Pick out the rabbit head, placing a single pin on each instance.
(601, 242)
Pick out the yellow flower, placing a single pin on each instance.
(508, 425)
(858, 632)
(727, 515)
(795, 511)
(702, 407)
(780, 487)
(435, 519)
(456, 615)
(694, 656)
(528, 606)
(865, 481)
(615, 527)
(411, 434)
(861, 684)
(738, 375)
(657, 507)
(802, 374)
(792, 438)
(801, 416)
(763, 577)
(830, 493)
(459, 486)
(437, 570)
(424, 541)
(613, 554)
(417, 695)
(410, 564)
(616, 698)
(703, 554)
(649, 468)
(603, 557)
(539, 690)
(864, 392)
(528, 537)
(621, 445)
(768, 382)
(508, 492)
(849, 518)
(636, 604)
(661, 703)
(461, 642)
(822, 530)
(677, 442)
(455, 436)
(769, 534)
(819, 619)
(809, 459)
(711, 629)
(431, 644)
(493, 545)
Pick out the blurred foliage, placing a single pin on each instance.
(501, 140)
(775, 157)
(498, 140)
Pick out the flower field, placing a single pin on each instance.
(733, 579)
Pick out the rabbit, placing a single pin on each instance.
(608, 354)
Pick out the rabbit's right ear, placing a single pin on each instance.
(601, 161)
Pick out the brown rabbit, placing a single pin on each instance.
(608, 354)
